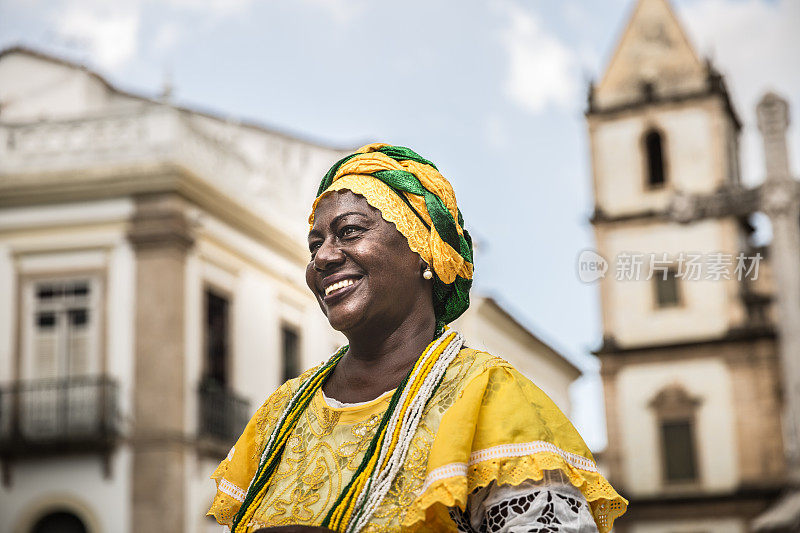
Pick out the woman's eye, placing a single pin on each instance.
(348, 231)
(314, 246)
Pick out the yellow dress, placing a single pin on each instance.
(485, 423)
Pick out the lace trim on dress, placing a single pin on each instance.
(231, 490)
(606, 505)
(506, 450)
(550, 505)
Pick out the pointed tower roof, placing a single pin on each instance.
(654, 56)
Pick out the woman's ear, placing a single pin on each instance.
(426, 270)
(423, 266)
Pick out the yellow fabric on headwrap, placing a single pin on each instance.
(356, 175)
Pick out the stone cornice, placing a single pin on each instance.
(715, 88)
(687, 208)
(160, 222)
(17, 190)
(599, 217)
(610, 347)
(655, 505)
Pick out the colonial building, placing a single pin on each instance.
(152, 295)
(692, 366)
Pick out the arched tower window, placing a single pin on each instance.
(59, 522)
(654, 159)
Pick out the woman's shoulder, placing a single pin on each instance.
(501, 428)
(474, 364)
(477, 372)
(482, 382)
(481, 359)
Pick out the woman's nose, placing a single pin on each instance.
(327, 255)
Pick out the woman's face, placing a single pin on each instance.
(363, 273)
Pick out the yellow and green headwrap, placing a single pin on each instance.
(410, 192)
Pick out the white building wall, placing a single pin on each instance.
(36, 89)
(708, 380)
(709, 307)
(193, 345)
(8, 315)
(120, 324)
(731, 525)
(200, 493)
(619, 178)
(691, 156)
(78, 484)
(52, 239)
(688, 136)
(285, 172)
(257, 366)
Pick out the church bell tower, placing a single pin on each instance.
(689, 358)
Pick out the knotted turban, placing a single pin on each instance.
(410, 192)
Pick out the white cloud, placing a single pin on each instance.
(111, 36)
(219, 7)
(541, 69)
(754, 43)
(109, 32)
(343, 12)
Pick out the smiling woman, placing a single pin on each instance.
(404, 428)
(367, 280)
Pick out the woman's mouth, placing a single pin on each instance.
(340, 288)
(338, 285)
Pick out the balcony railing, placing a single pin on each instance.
(223, 415)
(114, 142)
(59, 415)
(155, 134)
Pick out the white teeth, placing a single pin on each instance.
(338, 285)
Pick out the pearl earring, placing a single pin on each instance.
(427, 274)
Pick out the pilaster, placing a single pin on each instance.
(161, 237)
(781, 202)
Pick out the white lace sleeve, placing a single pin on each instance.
(551, 505)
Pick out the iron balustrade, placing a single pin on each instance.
(223, 414)
(59, 415)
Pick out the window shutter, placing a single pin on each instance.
(45, 345)
(78, 363)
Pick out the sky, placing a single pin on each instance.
(493, 92)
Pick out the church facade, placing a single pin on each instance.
(694, 357)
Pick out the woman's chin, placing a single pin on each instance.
(344, 321)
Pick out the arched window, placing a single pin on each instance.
(59, 522)
(654, 159)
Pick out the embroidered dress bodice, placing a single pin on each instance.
(459, 447)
